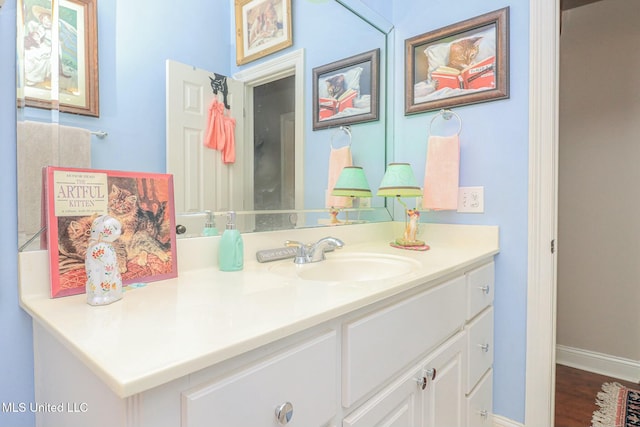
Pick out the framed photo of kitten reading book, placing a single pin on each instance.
(141, 202)
(346, 92)
(463, 63)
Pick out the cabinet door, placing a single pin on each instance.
(443, 399)
(398, 405)
(305, 377)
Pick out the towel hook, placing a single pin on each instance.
(219, 83)
(345, 129)
(447, 115)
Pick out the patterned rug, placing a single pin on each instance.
(619, 407)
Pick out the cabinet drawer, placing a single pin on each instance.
(480, 347)
(480, 402)
(305, 376)
(481, 287)
(381, 344)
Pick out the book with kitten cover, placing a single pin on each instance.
(141, 202)
(331, 106)
(480, 75)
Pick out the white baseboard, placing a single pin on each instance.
(599, 363)
(500, 421)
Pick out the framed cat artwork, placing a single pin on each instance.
(346, 92)
(262, 28)
(141, 202)
(463, 63)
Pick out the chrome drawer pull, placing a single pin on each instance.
(484, 347)
(427, 374)
(284, 413)
(431, 373)
(485, 289)
(422, 382)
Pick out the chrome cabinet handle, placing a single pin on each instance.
(431, 373)
(427, 374)
(484, 347)
(484, 414)
(485, 289)
(284, 413)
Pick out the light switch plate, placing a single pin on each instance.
(471, 200)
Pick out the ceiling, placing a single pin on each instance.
(570, 4)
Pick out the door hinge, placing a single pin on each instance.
(553, 246)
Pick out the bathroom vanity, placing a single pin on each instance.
(270, 346)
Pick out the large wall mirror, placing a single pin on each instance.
(129, 130)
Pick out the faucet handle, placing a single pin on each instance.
(301, 252)
(294, 244)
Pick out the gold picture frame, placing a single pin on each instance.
(76, 62)
(463, 63)
(262, 28)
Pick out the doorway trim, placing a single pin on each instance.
(291, 64)
(544, 19)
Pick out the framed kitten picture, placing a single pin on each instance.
(463, 63)
(141, 202)
(346, 92)
(262, 28)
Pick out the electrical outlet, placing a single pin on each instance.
(364, 202)
(471, 200)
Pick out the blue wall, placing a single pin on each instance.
(494, 148)
(494, 154)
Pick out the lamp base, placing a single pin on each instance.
(424, 247)
(400, 241)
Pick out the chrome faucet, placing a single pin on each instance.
(314, 252)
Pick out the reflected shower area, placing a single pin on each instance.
(274, 152)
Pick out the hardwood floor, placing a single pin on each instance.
(576, 392)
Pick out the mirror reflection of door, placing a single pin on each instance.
(274, 152)
(202, 180)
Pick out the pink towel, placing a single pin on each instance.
(229, 149)
(214, 136)
(338, 159)
(442, 173)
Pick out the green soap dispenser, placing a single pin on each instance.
(210, 226)
(231, 249)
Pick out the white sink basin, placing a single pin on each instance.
(348, 267)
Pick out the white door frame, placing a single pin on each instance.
(280, 67)
(544, 27)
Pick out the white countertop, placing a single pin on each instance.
(175, 327)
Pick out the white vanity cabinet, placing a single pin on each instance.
(254, 349)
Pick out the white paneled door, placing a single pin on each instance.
(202, 181)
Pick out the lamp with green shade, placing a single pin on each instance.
(399, 181)
(353, 183)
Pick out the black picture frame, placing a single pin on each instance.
(357, 99)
